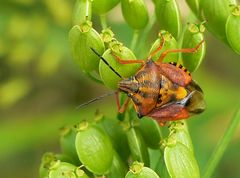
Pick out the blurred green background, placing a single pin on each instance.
(40, 86)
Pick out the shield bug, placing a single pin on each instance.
(162, 91)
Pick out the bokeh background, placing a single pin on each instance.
(40, 86)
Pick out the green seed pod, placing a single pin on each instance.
(82, 38)
(67, 143)
(118, 169)
(110, 79)
(194, 6)
(168, 16)
(179, 132)
(233, 29)
(103, 6)
(216, 12)
(170, 43)
(135, 13)
(138, 171)
(151, 132)
(193, 35)
(117, 135)
(62, 170)
(94, 148)
(82, 11)
(180, 160)
(137, 146)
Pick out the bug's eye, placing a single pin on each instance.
(129, 94)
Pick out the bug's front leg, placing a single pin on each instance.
(122, 108)
(130, 61)
(162, 41)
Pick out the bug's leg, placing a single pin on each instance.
(184, 50)
(158, 49)
(122, 108)
(121, 61)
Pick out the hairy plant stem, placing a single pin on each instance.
(103, 21)
(222, 145)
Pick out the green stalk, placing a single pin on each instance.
(134, 39)
(222, 145)
(145, 33)
(103, 21)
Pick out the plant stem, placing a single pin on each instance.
(134, 39)
(222, 145)
(145, 33)
(103, 21)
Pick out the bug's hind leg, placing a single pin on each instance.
(184, 50)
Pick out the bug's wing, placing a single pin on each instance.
(169, 112)
(175, 74)
(196, 103)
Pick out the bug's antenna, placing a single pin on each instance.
(104, 60)
(94, 99)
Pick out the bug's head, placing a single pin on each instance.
(129, 86)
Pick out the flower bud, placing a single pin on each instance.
(137, 170)
(103, 6)
(193, 35)
(151, 132)
(94, 148)
(80, 173)
(179, 132)
(137, 146)
(180, 160)
(216, 12)
(82, 38)
(63, 170)
(110, 79)
(168, 16)
(170, 43)
(48, 159)
(82, 11)
(135, 13)
(232, 29)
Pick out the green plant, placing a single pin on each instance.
(97, 140)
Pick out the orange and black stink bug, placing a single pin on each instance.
(162, 91)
